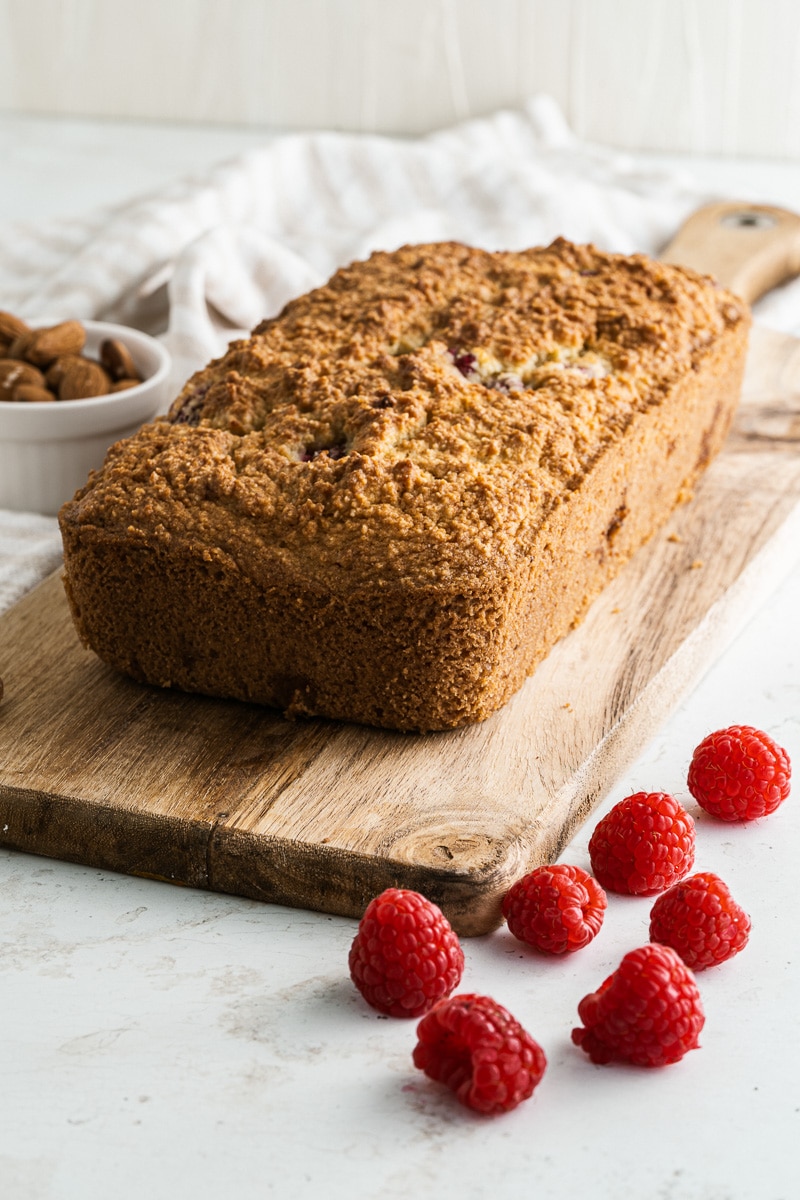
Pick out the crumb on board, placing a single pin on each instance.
(697, 564)
(674, 537)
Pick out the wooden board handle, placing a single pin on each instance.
(749, 248)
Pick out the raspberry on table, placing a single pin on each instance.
(700, 919)
(647, 1013)
(556, 909)
(739, 773)
(405, 955)
(476, 1048)
(644, 845)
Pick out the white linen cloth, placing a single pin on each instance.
(209, 257)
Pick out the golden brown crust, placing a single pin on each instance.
(394, 451)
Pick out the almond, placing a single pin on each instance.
(19, 346)
(122, 385)
(11, 327)
(14, 374)
(116, 358)
(30, 394)
(48, 344)
(82, 379)
(57, 368)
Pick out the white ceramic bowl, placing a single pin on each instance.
(48, 450)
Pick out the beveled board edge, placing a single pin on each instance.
(208, 855)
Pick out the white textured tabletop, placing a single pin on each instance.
(165, 1042)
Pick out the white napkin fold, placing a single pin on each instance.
(30, 548)
(209, 257)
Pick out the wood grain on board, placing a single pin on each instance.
(100, 770)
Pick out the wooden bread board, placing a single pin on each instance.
(97, 769)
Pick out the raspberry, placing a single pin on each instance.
(556, 909)
(644, 845)
(700, 919)
(405, 956)
(739, 774)
(476, 1048)
(466, 362)
(648, 1012)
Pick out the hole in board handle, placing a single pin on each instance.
(748, 220)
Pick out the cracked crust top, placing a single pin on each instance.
(417, 416)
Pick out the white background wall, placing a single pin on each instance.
(712, 76)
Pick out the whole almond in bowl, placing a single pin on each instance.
(15, 373)
(115, 357)
(49, 446)
(81, 378)
(29, 393)
(56, 370)
(19, 347)
(11, 328)
(46, 345)
(69, 372)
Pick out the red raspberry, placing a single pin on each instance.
(405, 956)
(476, 1048)
(556, 909)
(644, 845)
(739, 774)
(700, 919)
(648, 1012)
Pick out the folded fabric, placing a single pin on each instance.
(30, 548)
(209, 257)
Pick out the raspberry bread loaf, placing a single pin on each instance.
(388, 503)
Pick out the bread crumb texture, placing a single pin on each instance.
(420, 413)
(390, 501)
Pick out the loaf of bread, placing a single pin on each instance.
(390, 502)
